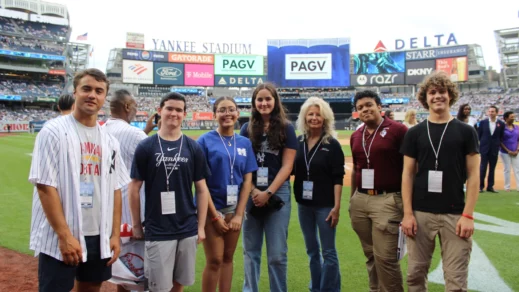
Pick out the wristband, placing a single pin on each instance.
(467, 216)
(215, 219)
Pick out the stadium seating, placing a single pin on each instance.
(6, 25)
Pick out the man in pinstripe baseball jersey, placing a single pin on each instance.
(123, 109)
(78, 173)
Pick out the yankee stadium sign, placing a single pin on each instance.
(201, 47)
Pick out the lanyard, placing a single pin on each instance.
(373, 139)
(310, 161)
(81, 142)
(176, 160)
(439, 145)
(231, 162)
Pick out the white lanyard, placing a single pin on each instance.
(176, 160)
(81, 142)
(373, 139)
(310, 161)
(439, 145)
(229, 154)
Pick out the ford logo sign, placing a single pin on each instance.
(169, 72)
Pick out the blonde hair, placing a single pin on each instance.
(408, 114)
(325, 111)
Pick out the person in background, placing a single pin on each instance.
(66, 104)
(319, 173)
(231, 160)
(490, 132)
(123, 109)
(410, 118)
(274, 142)
(389, 114)
(510, 149)
(464, 112)
(376, 201)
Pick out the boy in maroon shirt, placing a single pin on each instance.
(376, 203)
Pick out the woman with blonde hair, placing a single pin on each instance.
(319, 173)
(410, 118)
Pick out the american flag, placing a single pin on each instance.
(82, 37)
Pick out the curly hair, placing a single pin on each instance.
(461, 112)
(278, 121)
(441, 80)
(327, 114)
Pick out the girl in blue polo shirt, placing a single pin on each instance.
(232, 161)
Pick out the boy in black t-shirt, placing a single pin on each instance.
(169, 162)
(447, 153)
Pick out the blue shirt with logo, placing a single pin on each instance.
(220, 165)
(190, 166)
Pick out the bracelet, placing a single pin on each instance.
(467, 216)
(215, 219)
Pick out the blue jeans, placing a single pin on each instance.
(275, 228)
(324, 270)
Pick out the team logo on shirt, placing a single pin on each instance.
(170, 161)
(384, 132)
(242, 152)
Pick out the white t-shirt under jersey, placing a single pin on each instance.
(91, 174)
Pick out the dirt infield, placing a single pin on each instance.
(19, 273)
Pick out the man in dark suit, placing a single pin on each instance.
(490, 133)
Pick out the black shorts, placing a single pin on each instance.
(54, 275)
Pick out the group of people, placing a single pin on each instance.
(89, 179)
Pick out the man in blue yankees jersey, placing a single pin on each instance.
(78, 173)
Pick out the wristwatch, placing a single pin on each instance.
(269, 192)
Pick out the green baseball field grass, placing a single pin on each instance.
(494, 264)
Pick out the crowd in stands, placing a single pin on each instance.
(30, 45)
(479, 102)
(43, 30)
(6, 25)
(16, 87)
(20, 115)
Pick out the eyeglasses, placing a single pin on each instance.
(223, 110)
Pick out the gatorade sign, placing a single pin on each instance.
(238, 65)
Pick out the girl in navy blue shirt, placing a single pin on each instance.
(274, 142)
(231, 160)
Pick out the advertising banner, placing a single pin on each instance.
(137, 72)
(11, 97)
(238, 65)
(130, 54)
(57, 72)
(188, 90)
(416, 71)
(135, 40)
(379, 63)
(309, 62)
(456, 68)
(47, 99)
(168, 74)
(238, 81)
(191, 58)
(437, 53)
(199, 75)
(378, 79)
(32, 55)
(202, 116)
(154, 90)
(14, 126)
